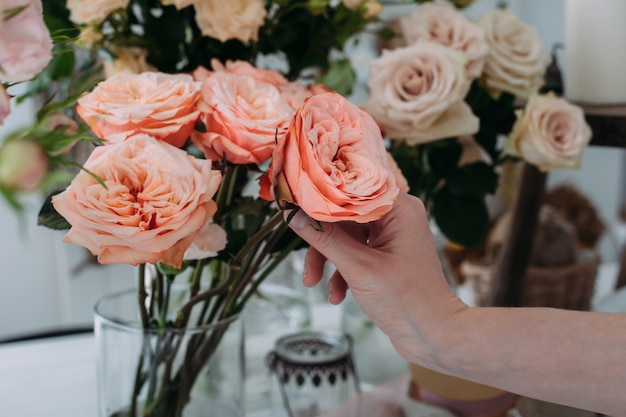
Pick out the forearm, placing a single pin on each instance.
(567, 357)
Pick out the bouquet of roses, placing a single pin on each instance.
(181, 129)
(446, 89)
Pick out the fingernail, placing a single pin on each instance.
(299, 220)
(305, 273)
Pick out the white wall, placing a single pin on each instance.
(38, 287)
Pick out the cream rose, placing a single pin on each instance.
(232, 19)
(155, 201)
(23, 165)
(5, 104)
(242, 117)
(128, 59)
(158, 104)
(516, 61)
(93, 11)
(549, 133)
(442, 23)
(333, 164)
(417, 93)
(25, 43)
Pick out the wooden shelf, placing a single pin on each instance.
(608, 123)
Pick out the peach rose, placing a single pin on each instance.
(156, 200)
(23, 165)
(93, 11)
(245, 68)
(5, 104)
(242, 116)
(211, 239)
(442, 23)
(160, 105)
(417, 93)
(516, 61)
(294, 91)
(128, 59)
(333, 164)
(233, 19)
(25, 43)
(549, 133)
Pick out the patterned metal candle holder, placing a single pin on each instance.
(314, 372)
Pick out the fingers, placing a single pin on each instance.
(339, 243)
(337, 288)
(313, 267)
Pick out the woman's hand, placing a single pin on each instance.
(392, 268)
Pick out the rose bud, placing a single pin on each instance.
(23, 165)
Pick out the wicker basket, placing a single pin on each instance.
(569, 287)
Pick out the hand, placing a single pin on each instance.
(392, 268)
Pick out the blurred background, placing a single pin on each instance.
(46, 284)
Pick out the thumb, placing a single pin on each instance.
(338, 242)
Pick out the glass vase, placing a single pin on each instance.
(189, 372)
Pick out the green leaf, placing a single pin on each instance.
(169, 270)
(475, 179)
(10, 196)
(462, 219)
(443, 156)
(51, 218)
(62, 63)
(340, 77)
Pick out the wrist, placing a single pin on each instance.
(436, 342)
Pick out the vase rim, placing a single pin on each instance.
(136, 325)
(303, 347)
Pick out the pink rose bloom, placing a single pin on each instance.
(333, 164)
(418, 93)
(442, 23)
(23, 165)
(157, 199)
(160, 105)
(25, 43)
(242, 116)
(233, 19)
(549, 133)
(5, 104)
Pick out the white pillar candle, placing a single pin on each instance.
(595, 51)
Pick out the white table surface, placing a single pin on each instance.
(56, 377)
